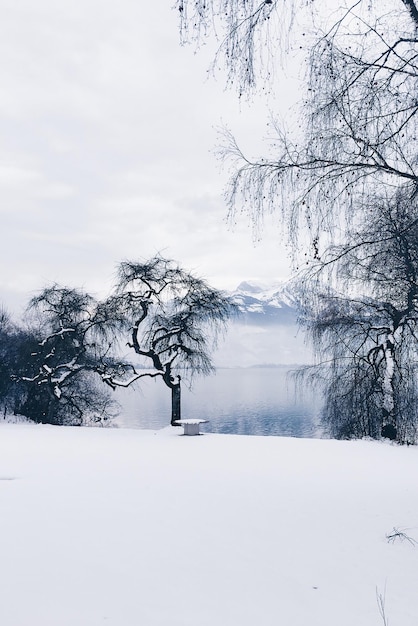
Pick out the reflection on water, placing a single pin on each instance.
(247, 401)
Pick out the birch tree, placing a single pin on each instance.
(366, 334)
(358, 123)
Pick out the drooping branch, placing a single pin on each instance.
(252, 33)
(360, 307)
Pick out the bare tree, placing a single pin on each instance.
(68, 342)
(10, 340)
(172, 319)
(366, 337)
(358, 127)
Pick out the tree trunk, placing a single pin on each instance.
(389, 429)
(175, 403)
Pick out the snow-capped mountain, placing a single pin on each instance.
(265, 304)
(266, 332)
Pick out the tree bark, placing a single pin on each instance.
(413, 10)
(175, 403)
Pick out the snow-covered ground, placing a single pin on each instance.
(116, 527)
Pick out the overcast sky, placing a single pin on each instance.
(107, 130)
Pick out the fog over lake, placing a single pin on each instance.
(245, 401)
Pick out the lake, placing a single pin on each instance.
(242, 401)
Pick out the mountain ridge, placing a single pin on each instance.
(259, 304)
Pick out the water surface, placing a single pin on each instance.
(244, 401)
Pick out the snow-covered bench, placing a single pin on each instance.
(191, 427)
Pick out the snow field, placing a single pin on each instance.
(123, 527)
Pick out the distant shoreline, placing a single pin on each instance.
(262, 366)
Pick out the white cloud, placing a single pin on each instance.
(107, 130)
(13, 176)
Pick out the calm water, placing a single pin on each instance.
(253, 401)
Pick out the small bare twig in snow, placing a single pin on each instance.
(381, 601)
(401, 535)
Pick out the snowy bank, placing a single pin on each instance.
(129, 528)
